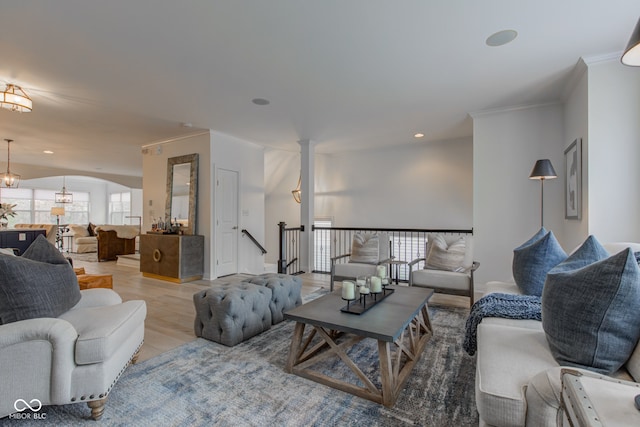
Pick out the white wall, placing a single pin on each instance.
(215, 151)
(425, 185)
(281, 171)
(506, 208)
(614, 151)
(576, 124)
(154, 184)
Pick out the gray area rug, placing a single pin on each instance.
(203, 383)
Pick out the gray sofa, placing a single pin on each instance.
(518, 381)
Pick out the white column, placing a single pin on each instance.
(307, 168)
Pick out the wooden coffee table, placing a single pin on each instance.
(400, 324)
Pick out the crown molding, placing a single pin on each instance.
(508, 109)
(605, 57)
(177, 138)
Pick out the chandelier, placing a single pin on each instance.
(15, 99)
(9, 179)
(297, 193)
(64, 196)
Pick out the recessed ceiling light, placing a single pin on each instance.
(419, 135)
(501, 38)
(48, 152)
(260, 101)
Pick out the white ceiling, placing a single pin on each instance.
(107, 77)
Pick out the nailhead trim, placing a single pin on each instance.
(103, 395)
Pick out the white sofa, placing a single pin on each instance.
(518, 382)
(76, 357)
(83, 242)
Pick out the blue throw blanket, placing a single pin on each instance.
(508, 306)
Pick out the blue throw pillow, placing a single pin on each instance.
(533, 259)
(591, 311)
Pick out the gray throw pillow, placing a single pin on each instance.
(533, 259)
(591, 313)
(41, 283)
(42, 250)
(364, 249)
(445, 257)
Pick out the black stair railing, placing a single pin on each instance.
(405, 244)
(289, 253)
(255, 242)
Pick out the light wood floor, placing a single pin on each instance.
(170, 310)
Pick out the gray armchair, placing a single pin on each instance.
(367, 252)
(457, 281)
(76, 357)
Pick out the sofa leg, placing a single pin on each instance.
(97, 408)
(134, 359)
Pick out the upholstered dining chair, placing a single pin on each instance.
(367, 252)
(448, 266)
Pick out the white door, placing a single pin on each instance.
(227, 222)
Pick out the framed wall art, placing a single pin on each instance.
(573, 180)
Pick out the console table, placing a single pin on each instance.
(19, 239)
(172, 257)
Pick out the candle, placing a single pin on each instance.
(376, 284)
(381, 271)
(364, 290)
(385, 281)
(361, 281)
(348, 290)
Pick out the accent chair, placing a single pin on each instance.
(367, 252)
(448, 267)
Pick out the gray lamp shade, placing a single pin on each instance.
(543, 169)
(631, 54)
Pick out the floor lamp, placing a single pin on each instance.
(58, 211)
(543, 169)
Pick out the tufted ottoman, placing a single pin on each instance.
(230, 314)
(286, 292)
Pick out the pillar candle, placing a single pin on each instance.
(381, 271)
(348, 290)
(364, 290)
(376, 284)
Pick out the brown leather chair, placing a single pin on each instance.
(110, 245)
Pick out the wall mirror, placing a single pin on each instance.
(182, 192)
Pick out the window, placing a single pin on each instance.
(119, 207)
(34, 206)
(23, 198)
(322, 245)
